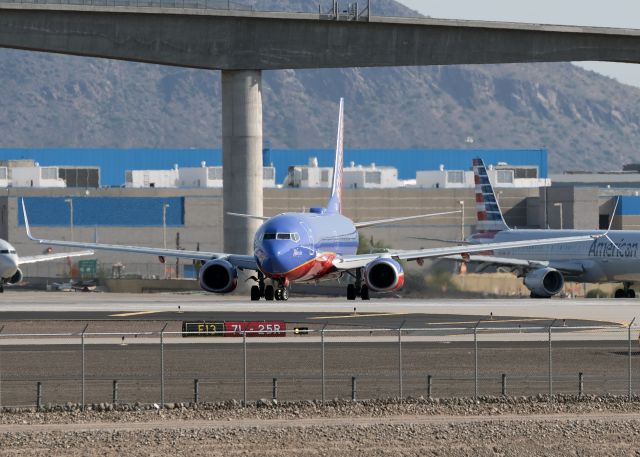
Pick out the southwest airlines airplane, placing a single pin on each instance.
(10, 262)
(605, 257)
(305, 247)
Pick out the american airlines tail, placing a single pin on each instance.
(488, 212)
(335, 202)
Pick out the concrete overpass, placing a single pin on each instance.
(242, 44)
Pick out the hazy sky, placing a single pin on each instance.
(610, 13)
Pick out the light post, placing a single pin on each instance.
(559, 205)
(462, 220)
(70, 201)
(164, 224)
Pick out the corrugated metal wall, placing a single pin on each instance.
(114, 162)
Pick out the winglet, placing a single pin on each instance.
(26, 223)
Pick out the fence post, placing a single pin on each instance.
(429, 386)
(504, 385)
(196, 391)
(629, 357)
(115, 392)
(274, 389)
(162, 365)
(1, 329)
(353, 388)
(580, 384)
(83, 366)
(323, 361)
(400, 359)
(551, 362)
(475, 360)
(244, 370)
(39, 395)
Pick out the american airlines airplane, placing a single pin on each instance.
(307, 247)
(609, 256)
(10, 262)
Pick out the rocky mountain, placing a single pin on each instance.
(585, 120)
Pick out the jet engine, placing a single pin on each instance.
(218, 276)
(16, 278)
(544, 282)
(384, 275)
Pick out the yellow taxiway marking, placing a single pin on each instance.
(346, 316)
(136, 313)
(496, 321)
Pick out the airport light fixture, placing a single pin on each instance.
(164, 224)
(462, 220)
(70, 202)
(559, 205)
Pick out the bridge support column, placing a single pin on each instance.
(241, 156)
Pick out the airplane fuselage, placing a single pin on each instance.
(8, 260)
(599, 259)
(302, 246)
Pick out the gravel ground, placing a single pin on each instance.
(456, 427)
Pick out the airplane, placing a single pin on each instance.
(306, 247)
(10, 262)
(609, 256)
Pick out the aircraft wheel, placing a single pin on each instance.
(364, 292)
(620, 293)
(1, 288)
(284, 294)
(351, 292)
(255, 293)
(278, 294)
(268, 293)
(631, 293)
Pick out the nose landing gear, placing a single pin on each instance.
(269, 292)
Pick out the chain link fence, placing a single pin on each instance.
(161, 366)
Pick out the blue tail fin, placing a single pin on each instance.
(335, 202)
(487, 209)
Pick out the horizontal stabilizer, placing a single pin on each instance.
(249, 216)
(399, 219)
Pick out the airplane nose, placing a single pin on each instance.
(9, 265)
(273, 261)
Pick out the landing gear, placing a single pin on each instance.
(255, 293)
(282, 294)
(1, 287)
(627, 292)
(269, 293)
(358, 289)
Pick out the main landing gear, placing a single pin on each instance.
(358, 289)
(269, 292)
(627, 292)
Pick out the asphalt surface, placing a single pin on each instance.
(517, 345)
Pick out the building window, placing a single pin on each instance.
(455, 177)
(49, 173)
(324, 176)
(3, 173)
(128, 176)
(372, 177)
(214, 173)
(526, 173)
(504, 176)
(305, 174)
(267, 173)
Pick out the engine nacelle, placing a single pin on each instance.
(544, 282)
(384, 275)
(16, 278)
(218, 276)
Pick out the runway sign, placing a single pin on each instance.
(235, 329)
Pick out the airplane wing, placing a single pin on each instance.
(570, 268)
(241, 261)
(360, 260)
(399, 219)
(53, 256)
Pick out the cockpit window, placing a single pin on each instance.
(12, 251)
(6, 251)
(281, 236)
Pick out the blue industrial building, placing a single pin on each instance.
(628, 205)
(114, 162)
(104, 211)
